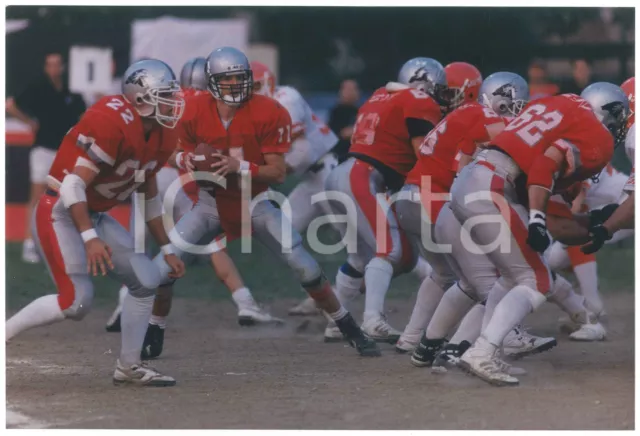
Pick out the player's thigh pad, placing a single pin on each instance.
(273, 230)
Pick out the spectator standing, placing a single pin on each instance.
(581, 78)
(539, 85)
(342, 117)
(50, 109)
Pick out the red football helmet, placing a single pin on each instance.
(629, 88)
(264, 81)
(464, 80)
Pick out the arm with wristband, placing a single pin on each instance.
(74, 198)
(542, 175)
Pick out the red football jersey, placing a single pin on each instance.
(566, 122)
(110, 138)
(260, 126)
(381, 130)
(461, 130)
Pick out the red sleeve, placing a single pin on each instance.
(420, 106)
(100, 138)
(467, 146)
(186, 128)
(558, 207)
(276, 131)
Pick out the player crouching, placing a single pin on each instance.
(116, 149)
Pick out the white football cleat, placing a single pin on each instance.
(589, 333)
(254, 314)
(379, 330)
(518, 343)
(407, 343)
(140, 375)
(29, 253)
(332, 333)
(306, 308)
(487, 366)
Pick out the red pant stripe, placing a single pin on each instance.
(367, 202)
(53, 255)
(520, 234)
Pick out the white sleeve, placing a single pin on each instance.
(294, 104)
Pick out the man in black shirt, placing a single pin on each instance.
(342, 117)
(50, 109)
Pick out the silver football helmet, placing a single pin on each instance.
(229, 76)
(151, 87)
(427, 75)
(193, 74)
(506, 93)
(611, 106)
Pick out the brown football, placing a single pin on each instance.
(202, 160)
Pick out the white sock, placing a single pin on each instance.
(470, 326)
(496, 295)
(587, 275)
(29, 244)
(427, 300)
(563, 294)
(243, 298)
(136, 313)
(454, 305)
(422, 270)
(42, 311)
(347, 289)
(508, 313)
(377, 277)
(160, 321)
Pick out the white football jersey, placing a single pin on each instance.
(608, 189)
(319, 138)
(630, 148)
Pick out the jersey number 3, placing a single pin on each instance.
(531, 123)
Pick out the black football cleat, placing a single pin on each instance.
(153, 342)
(426, 351)
(364, 346)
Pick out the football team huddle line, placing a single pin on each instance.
(498, 169)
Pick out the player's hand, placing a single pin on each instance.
(538, 238)
(600, 216)
(176, 265)
(34, 125)
(599, 235)
(225, 165)
(188, 161)
(98, 256)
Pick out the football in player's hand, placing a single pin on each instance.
(204, 157)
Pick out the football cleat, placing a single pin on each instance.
(589, 333)
(140, 375)
(426, 351)
(365, 346)
(379, 330)
(518, 343)
(487, 366)
(306, 308)
(254, 314)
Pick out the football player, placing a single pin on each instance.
(555, 142)
(623, 216)
(310, 158)
(250, 133)
(389, 129)
(116, 149)
(450, 145)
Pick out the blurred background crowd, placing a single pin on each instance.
(61, 59)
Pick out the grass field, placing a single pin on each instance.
(230, 377)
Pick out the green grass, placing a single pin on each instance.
(266, 276)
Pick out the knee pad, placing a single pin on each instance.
(83, 297)
(535, 298)
(305, 267)
(146, 271)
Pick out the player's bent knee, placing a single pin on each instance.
(76, 303)
(146, 271)
(305, 267)
(535, 298)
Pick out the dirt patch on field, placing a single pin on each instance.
(287, 378)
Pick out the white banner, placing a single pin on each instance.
(176, 40)
(90, 70)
